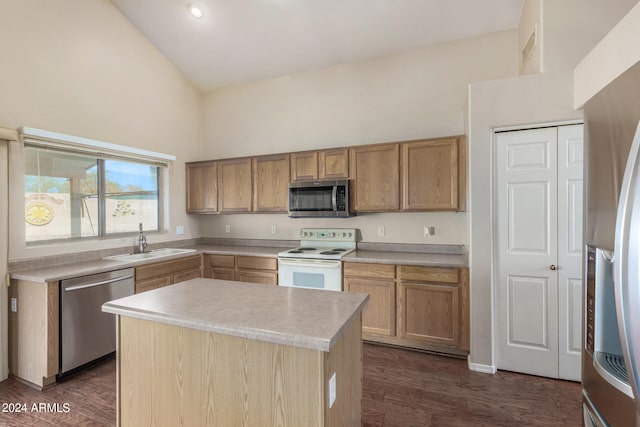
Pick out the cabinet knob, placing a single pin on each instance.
(553, 267)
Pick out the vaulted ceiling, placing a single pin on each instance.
(238, 41)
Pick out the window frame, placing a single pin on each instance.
(102, 152)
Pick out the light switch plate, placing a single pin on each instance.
(332, 390)
(179, 230)
(14, 305)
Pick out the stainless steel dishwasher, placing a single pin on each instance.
(86, 333)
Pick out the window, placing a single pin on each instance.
(71, 194)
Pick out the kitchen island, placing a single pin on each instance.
(221, 353)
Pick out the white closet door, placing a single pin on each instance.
(570, 166)
(526, 284)
(538, 278)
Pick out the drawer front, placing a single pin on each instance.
(222, 273)
(147, 285)
(257, 263)
(221, 260)
(262, 277)
(167, 267)
(374, 271)
(186, 275)
(428, 274)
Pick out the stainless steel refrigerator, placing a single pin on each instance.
(611, 353)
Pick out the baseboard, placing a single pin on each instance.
(485, 369)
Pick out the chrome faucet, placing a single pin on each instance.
(142, 240)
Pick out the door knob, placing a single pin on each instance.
(553, 267)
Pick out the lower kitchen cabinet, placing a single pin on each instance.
(413, 306)
(159, 274)
(256, 269)
(377, 280)
(242, 268)
(220, 267)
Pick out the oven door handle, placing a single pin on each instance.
(309, 262)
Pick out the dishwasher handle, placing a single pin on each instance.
(103, 282)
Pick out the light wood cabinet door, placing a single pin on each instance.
(202, 187)
(430, 176)
(270, 183)
(304, 166)
(234, 185)
(219, 266)
(375, 171)
(256, 276)
(333, 164)
(379, 317)
(433, 305)
(429, 312)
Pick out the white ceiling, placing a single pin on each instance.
(239, 41)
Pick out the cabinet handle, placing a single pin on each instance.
(553, 267)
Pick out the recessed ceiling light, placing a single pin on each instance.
(195, 10)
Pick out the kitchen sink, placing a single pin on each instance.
(157, 253)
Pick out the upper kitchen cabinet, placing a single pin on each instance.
(325, 164)
(433, 175)
(270, 182)
(202, 187)
(304, 166)
(375, 171)
(234, 185)
(333, 164)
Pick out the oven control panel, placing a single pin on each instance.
(329, 234)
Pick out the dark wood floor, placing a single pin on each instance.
(401, 388)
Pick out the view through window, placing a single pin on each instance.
(76, 195)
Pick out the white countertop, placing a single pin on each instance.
(304, 318)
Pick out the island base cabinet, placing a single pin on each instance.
(174, 376)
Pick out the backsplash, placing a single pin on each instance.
(450, 228)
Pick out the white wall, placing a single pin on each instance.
(421, 93)
(81, 68)
(418, 94)
(573, 27)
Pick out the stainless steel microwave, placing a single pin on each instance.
(319, 199)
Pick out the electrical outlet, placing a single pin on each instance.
(332, 390)
(14, 305)
(274, 229)
(429, 230)
(227, 228)
(179, 230)
(381, 230)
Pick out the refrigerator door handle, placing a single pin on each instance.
(627, 266)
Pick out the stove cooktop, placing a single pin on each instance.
(318, 253)
(322, 243)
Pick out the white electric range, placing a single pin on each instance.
(317, 262)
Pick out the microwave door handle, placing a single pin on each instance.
(627, 266)
(334, 198)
